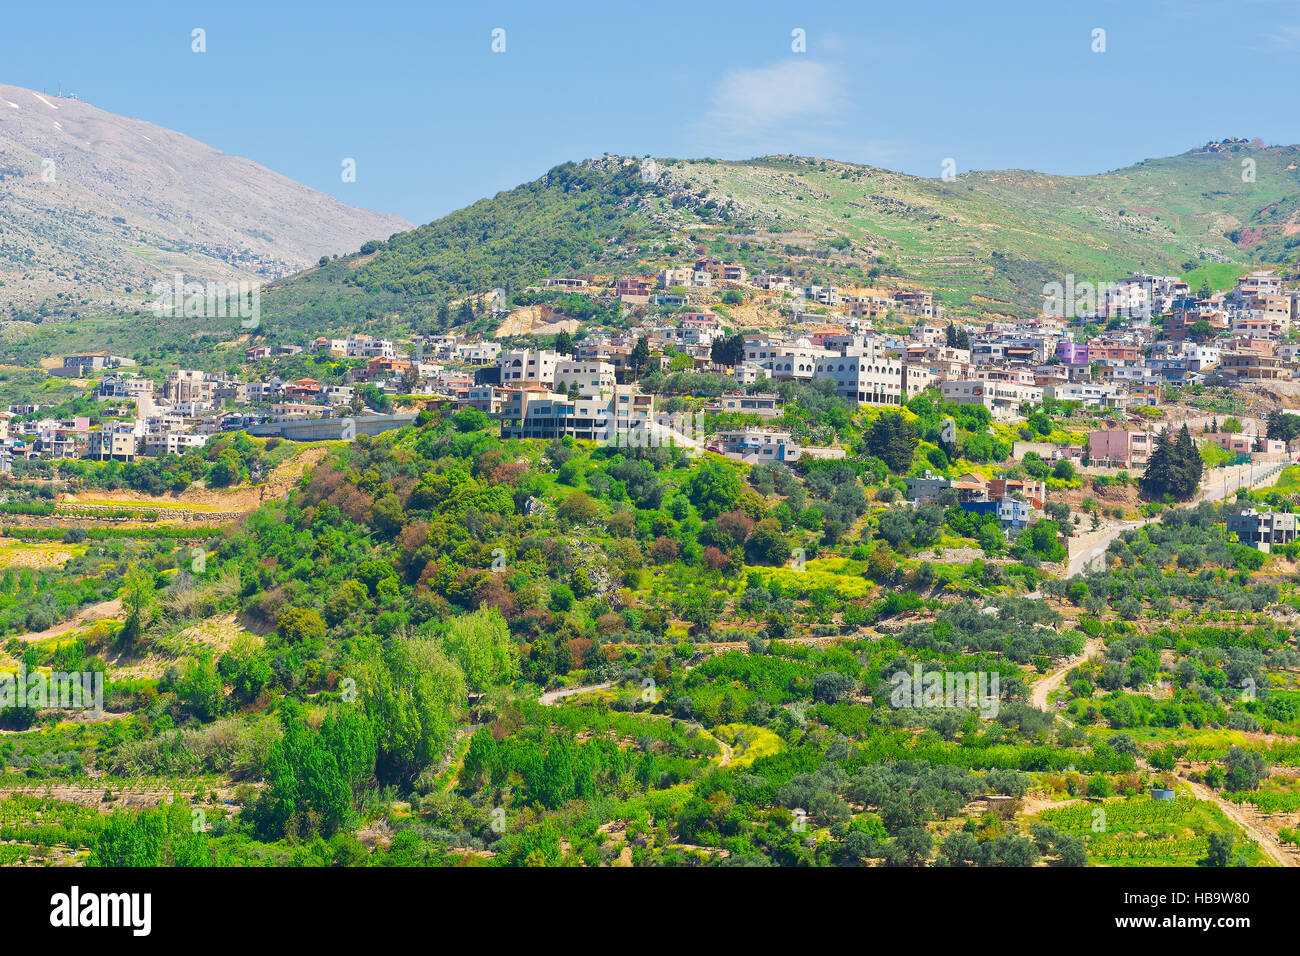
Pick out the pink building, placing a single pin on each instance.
(1240, 444)
(1120, 447)
(1099, 351)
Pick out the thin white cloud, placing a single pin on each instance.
(752, 102)
(1286, 37)
(797, 105)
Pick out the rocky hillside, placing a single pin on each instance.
(95, 207)
(986, 242)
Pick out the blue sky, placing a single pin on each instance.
(436, 120)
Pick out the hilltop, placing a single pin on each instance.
(985, 242)
(96, 207)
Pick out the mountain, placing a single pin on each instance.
(986, 242)
(95, 207)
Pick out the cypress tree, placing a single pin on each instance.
(1175, 466)
(1155, 480)
(1190, 465)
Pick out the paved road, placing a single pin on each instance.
(1222, 484)
(1093, 545)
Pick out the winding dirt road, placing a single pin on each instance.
(92, 612)
(1257, 833)
(553, 696)
(1051, 681)
(1261, 836)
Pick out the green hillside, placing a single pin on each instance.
(986, 241)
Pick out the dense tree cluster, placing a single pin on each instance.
(1174, 467)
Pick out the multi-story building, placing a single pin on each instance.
(114, 440)
(1099, 394)
(302, 390)
(787, 362)
(1256, 284)
(1014, 513)
(1072, 353)
(188, 385)
(486, 398)
(687, 335)
(1145, 395)
(750, 373)
(1253, 365)
(1240, 444)
(336, 394)
(771, 282)
(528, 365)
(633, 289)
(870, 307)
(1018, 375)
(1121, 352)
(924, 489)
(124, 387)
(765, 405)
(478, 353)
(608, 416)
(363, 346)
(756, 445)
(915, 303)
(821, 294)
(173, 443)
(1033, 491)
(1002, 399)
(259, 393)
(1120, 447)
(685, 277)
(725, 271)
(872, 377)
(589, 378)
(1262, 529)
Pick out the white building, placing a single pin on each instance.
(872, 377)
(757, 445)
(528, 365)
(539, 413)
(821, 294)
(591, 378)
(786, 361)
(1099, 394)
(478, 353)
(1002, 399)
(363, 346)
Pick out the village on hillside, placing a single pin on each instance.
(1116, 353)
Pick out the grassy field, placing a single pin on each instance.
(1288, 482)
(748, 742)
(996, 237)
